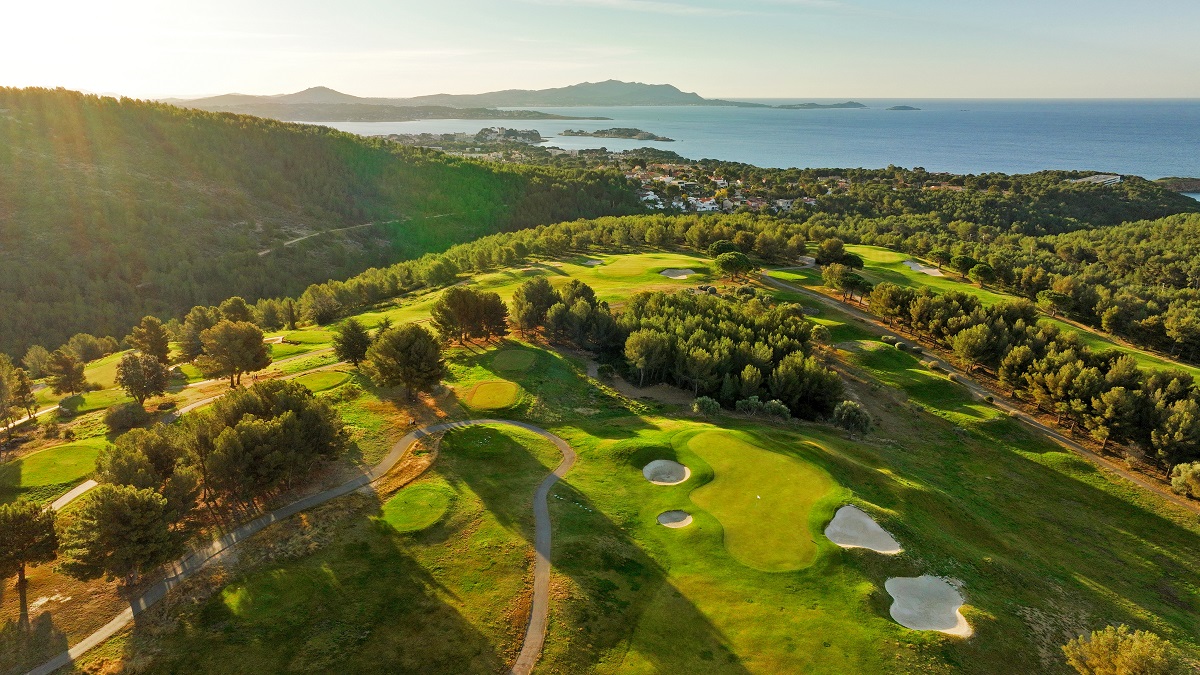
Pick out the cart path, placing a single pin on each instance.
(535, 633)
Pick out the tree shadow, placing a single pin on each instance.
(24, 643)
(326, 591)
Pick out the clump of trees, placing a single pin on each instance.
(462, 313)
(1105, 394)
(252, 443)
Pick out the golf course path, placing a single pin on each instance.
(1001, 401)
(535, 633)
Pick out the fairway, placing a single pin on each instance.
(46, 474)
(762, 500)
(492, 395)
(514, 359)
(324, 380)
(416, 507)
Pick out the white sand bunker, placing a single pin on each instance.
(852, 528)
(666, 472)
(674, 519)
(594, 263)
(677, 274)
(923, 269)
(927, 603)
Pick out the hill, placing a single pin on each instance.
(322, 104)
(112, 209)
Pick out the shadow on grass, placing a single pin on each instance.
(340, 592)
(24, 643)
(614, 582)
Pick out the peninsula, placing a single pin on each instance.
(620, 132)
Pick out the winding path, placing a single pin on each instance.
(535, 633)
(1000, 401)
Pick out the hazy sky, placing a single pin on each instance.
(748, 48)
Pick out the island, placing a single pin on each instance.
(903, 107)
(620, 132)
(821, 106)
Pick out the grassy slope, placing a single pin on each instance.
(881, 264)
(1045, 544)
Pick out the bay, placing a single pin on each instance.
(1152, 138)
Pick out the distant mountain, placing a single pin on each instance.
(607, 93)
(322, 104)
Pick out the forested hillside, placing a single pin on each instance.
(112, 209)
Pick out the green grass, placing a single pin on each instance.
(514, 359)
(763, 501)
(1045, 544)
(92, 401)
(323, 380)
(418, 506)
(48, 474)
(103, 371)
(493, 395)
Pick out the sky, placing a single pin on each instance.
(745, 49)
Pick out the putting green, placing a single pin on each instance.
(492, 395)
(762, 500)
(324, 380)
(416, 507)
(514, 359)
(58, 467)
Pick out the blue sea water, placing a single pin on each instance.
(1150, 138)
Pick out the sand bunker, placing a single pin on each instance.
(674, 519)
(927, 603)
(923, 269)
(851, 528)
(594, 263)
(666, 472)
(677, 274)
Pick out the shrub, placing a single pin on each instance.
(851, 416)
(952, 377)
(1117, 650)
(125, 417)
(706, 406)
(750, 406)
(1185, 479)
(902, 346)
(889, 339)
(989, 398)
(51, 430)
(606, 371)
(776, 408)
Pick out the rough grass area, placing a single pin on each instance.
(763, 500)
(514, 359)
(493, 395)
(448, 598)
(324, 380)
(48, 474)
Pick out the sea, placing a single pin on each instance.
(1151, 138)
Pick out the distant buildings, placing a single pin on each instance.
(1099, 179)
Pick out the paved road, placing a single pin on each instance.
(535, 634)
(1000, 401)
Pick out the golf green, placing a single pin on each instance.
(762, 500)
(492, 395)
(416, 507)
(324, 380)
(60, 466)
